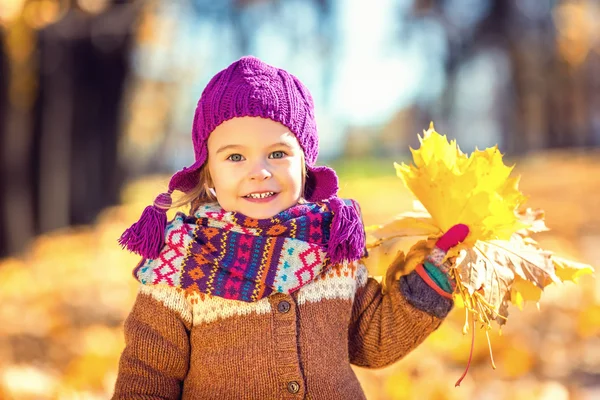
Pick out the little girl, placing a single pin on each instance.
(260, 293)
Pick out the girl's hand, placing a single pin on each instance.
(434, 265)
(451, 238)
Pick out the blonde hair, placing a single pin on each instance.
(200, 194)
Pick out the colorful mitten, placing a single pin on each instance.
(434, 270)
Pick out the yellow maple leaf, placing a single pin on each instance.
(396, 248)
(568, 270)
(454, 188)
(498, 262)
(522, 290)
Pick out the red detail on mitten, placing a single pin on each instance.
(452, 237)
(420, 270)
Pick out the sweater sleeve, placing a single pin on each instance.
(155, 360)
(385, 327)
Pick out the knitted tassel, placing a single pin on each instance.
(146, 237)
(347, 235)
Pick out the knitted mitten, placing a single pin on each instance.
(436, 269)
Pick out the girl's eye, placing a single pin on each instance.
(235, 157)
(277, 154)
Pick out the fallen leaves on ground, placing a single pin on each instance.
(64, 303)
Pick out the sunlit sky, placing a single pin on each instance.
(378, 61)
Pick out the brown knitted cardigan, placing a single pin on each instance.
(298, 346)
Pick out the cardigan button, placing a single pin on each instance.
(283, 307)
(293, 387)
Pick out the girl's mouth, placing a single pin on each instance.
(262, 197)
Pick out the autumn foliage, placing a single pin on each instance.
(499, 262)
(64, 302)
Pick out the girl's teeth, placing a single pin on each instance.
(260, 195)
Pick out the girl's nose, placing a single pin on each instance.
(260, 172)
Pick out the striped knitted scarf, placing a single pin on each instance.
(241, 258)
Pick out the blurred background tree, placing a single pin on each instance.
(102, 90)
(68, 64)
(95, 94)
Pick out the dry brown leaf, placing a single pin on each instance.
(407, 224)
(490, 268)
(528, 262)
(534, 218)
(404, 264)
(480, 273)
(386, 253)
(403, 236)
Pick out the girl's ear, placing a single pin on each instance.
(210, 191)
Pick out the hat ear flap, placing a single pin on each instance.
(321, 183)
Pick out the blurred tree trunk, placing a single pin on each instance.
(59, 144)
(3, 107)
(593, 98)
(83, 70)
(16, 140)
(532, 60)
(550, 102)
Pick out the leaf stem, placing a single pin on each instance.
(470, 354)
(465, 329)
(380, 241)
(487, 334)
(490, 309)
(483, 314)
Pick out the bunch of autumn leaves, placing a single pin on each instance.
(499, 262)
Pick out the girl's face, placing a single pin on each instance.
(256, 166)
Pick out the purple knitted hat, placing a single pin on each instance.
(248, 87)
(251, 88)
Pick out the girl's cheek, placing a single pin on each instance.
(232, 171)
(287, 162)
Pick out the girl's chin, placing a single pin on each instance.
(266, 213)
(264, 210)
